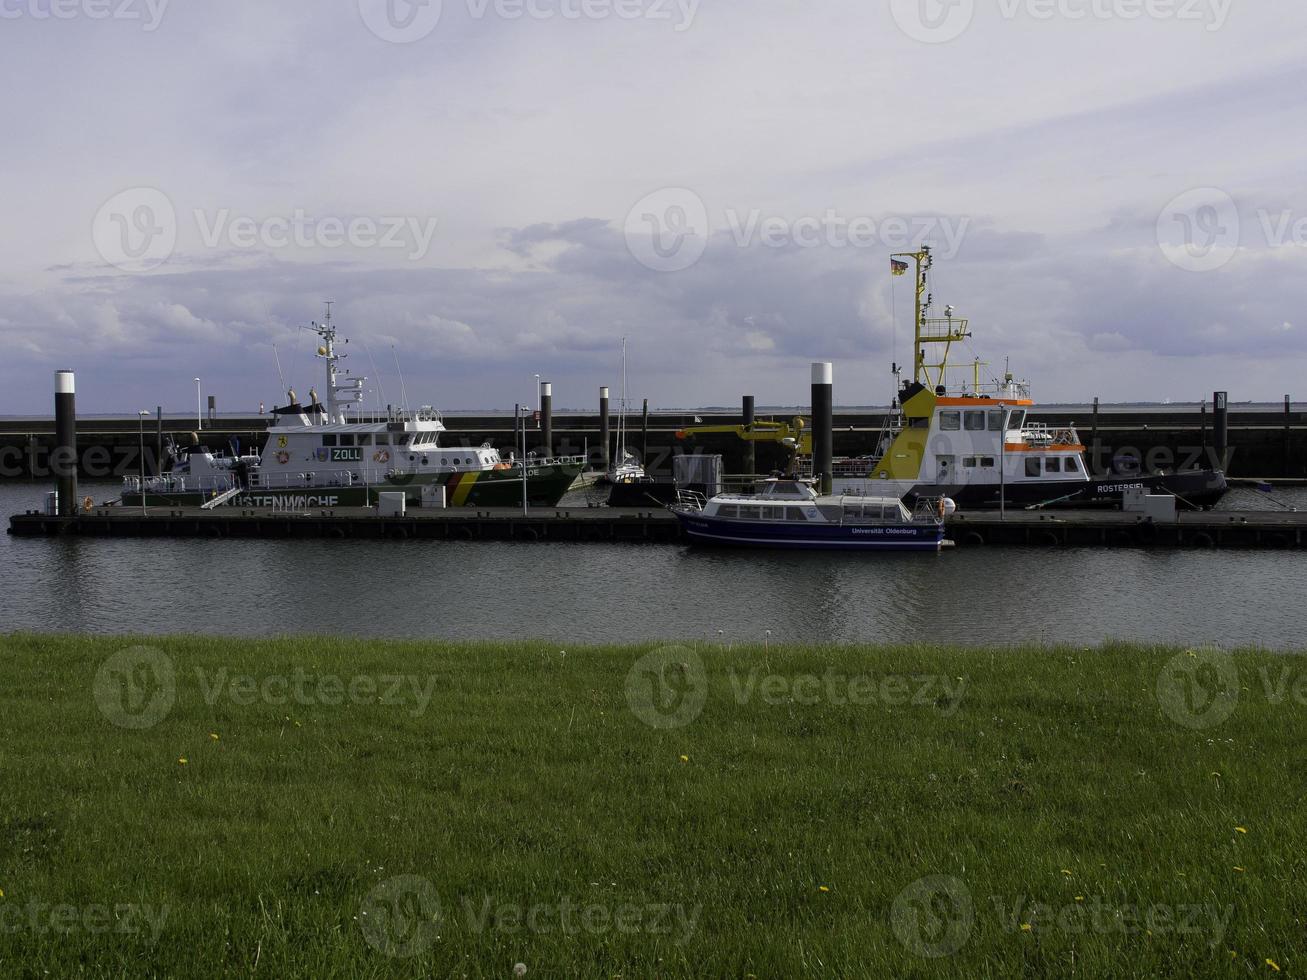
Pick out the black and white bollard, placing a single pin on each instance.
(1221, 427)
(605, 431)
(750, 455)
(63, 461)
(823, 422)
(547, 417)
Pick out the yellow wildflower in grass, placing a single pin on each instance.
(685, 758)
(822, 888)
(2, 893)
(1241, 830)
(213, 735)
(1066, 872)
(1273, 965)
(1080, 898)
(1239, 869)
(1025, 927)
(181, 761)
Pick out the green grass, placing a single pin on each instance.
(767, 836)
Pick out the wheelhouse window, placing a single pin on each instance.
(1071, 464)
(1032, 466)
(346, 439)
(363, 440)
(1017, 419)
(403, 439)
(986, 462)
(795, 514)
(950, 421)
(995, 420)
(750, 512)
(974, 421)
(382, 439)
(329, 439)
(728, 510)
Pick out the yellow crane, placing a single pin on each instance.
(794, 434)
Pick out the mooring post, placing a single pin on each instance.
(63, 461)
(1202, 422)
(605, 431)
(1093, 439)
(547, 417)
(750, 453)
(1221, 427)
(823, 422)
(213, 410)
(158, 451)
(644, 434)
(1288, 422)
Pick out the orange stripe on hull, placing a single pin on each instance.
(979, 402)
(1023, 448)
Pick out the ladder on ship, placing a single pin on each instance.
(221, 499)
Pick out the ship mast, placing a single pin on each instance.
(944, 330)
(340, 394)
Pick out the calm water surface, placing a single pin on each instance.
(594, 593)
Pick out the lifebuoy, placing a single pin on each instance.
(283, 457)
(381, 456)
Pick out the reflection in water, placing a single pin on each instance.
(594, 593)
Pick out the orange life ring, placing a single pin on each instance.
(381, 456)
(283, 457)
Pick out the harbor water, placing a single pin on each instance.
(592, 593)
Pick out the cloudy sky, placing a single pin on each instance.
(1116, 190)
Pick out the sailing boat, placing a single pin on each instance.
(625, 466)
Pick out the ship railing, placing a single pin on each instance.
(1042, 434)
(176, 483)
(690, 500)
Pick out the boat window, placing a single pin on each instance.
(795, 514)
(363, 440)
(969, 462)
(950, 421)
(1017, 419)
(750, 512)
(987, 462)
(1071, 464)
(974, 421)
(346, 439)
(995, 419)
(728, 510)
(329, 440)
(402, 439)
(1053, 464)
(1032, 466)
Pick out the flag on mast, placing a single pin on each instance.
(898, 268)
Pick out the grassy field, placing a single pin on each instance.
(330, 808)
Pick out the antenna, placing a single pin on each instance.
(281, 378)
(381, 389)
(403, 393)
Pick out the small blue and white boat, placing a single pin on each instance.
(790, 514)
